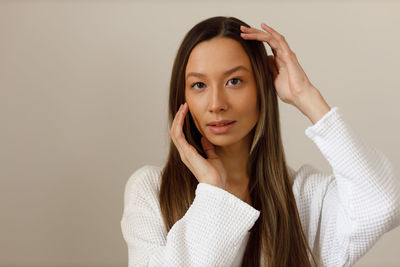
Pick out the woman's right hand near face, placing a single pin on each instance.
(210, 170)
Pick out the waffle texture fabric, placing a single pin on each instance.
(342, 213)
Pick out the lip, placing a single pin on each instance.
(221, 129)
(218, 122)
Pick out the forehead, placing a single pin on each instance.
(216, 55)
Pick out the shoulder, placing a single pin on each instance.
(144, 181)
(146, 172)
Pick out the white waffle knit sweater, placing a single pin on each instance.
(342, 214)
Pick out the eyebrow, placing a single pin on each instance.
(240, 67)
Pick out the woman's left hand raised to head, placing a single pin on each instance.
(291, 82)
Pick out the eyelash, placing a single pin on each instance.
(240, 81)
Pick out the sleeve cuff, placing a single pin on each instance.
(324, 124)
(223, 212)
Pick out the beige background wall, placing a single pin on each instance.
(83, 100)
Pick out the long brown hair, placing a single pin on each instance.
(277, 233)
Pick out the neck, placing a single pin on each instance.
(234, 158)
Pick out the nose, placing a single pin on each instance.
(217, 100)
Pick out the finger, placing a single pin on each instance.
(192, 158)
(186, 148)
(174, 132)
(261, 36)
(208, 148)
(286, 57)
(178, 130)
(270, 30)
(174, 122)
(247, 29)
(186, 151)
(277, 36)
(275, 40)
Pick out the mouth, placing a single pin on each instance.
(221, 128)
(220, 123)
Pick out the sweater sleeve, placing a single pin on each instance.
(209, 234)
(350, 209)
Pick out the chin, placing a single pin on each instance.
(221, 140)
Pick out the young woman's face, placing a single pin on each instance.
(220, 85)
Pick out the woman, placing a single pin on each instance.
(226, 196)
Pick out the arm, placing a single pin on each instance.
(361, 199)
(209, 234)
(345, 213)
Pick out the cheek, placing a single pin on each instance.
(251, 100)
(255, 111)
(247, 104)
(195, 119)
(249, 113)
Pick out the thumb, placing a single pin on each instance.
(208, 148)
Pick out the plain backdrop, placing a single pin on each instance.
(83, 104)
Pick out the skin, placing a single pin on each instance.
(214, 95)
(292, 86)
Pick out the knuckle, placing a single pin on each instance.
(187, 151)
(175, 134)
(286, 54)
(192, 150)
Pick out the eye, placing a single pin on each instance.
(236, 81)
(198, 83)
